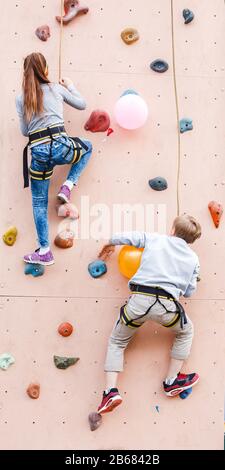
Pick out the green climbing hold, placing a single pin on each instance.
(6, 360)
(10, 235)
(158, 184)
(64, 362)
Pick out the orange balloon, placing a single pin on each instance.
(129, 260)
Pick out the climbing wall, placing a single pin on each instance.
(102, 66)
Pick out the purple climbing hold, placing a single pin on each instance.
(185, 393)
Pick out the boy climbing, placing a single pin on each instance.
(40, 110)
(169, 269)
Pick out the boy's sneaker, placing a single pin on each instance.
(181, 383)
(64, 194)
(36, 258)
(110, 401)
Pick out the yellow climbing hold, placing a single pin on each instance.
(9, 237)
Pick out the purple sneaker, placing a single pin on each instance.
(36, 258)
(64, 194)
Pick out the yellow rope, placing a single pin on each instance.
(61, 40)
(177, 113)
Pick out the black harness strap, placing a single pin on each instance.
(25, 167)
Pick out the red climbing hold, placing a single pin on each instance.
(110, 131)
(216, 211)
(72, 9)
(33, 391)
(99, 121)
(65, 329)
(43, 32)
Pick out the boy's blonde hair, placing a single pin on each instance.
(187, 227)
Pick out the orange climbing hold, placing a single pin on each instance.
(216, 211)
(10, 235)
(33, 391)
(65, 329)
(64, 239)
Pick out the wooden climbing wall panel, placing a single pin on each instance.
(102, 67)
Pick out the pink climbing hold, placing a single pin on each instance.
(68, 210)
(95, 420)
(43, 32)
(99, 121)
(72, 9)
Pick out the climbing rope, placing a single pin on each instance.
(61, 40)
(177, 113)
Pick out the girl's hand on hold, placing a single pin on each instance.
(106, 252)
(66, 82)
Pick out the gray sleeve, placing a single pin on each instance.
(23, 123)
(137, 239)
(72, 97)
(191, 288)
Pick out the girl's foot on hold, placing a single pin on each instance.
(181, 383)
(35, 258)
(110, 401)
(64, 194)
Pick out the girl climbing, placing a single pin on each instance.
(40, 110)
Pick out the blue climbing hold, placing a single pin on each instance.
(97, 268)
(185, 393)
(188, 15)
(34, 269)
(158, 184)
(130, 91)
(159, 66)
(186, 125)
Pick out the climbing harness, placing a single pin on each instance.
(39, 137)
(158, 293)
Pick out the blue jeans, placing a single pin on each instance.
(44, 160)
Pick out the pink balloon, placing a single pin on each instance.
(131, 111)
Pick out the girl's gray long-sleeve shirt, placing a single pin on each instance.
(53, 97)
(167, 262)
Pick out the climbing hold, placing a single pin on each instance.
(216, 211)
(130, 35)
(72, 9)
(43, 32)
(68, 210)
(64, 239)
(95, 420)
(109, 131)
(129, 260)
(64, 362)
(185, 393)
(34, 269)
(158, 184)
(159, 66)
(131, 111)
(188, 15)
(130, 91)
(65, 329)
(10, 235)
(33, 391)
(157, 408)
(186, 125)
(97, 268)
(99, 121)
(6, 360)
